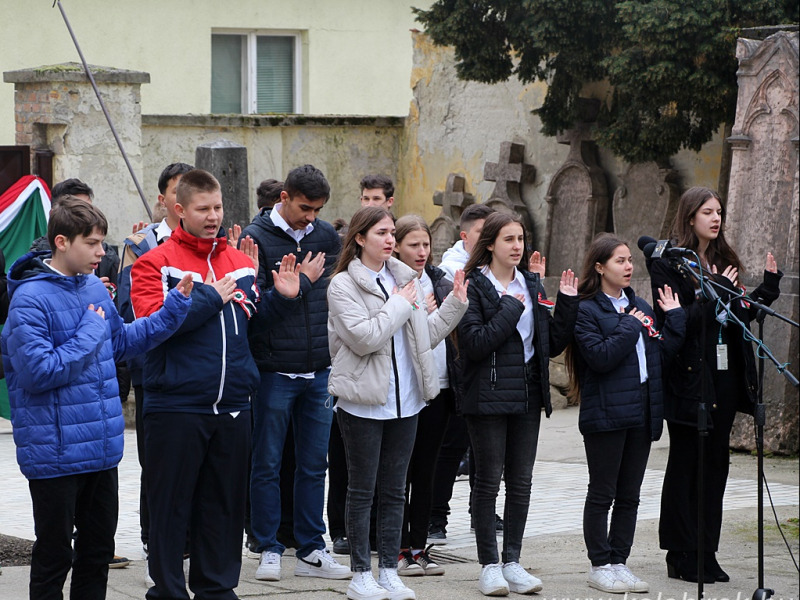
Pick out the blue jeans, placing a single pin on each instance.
(378, 451)
(304, 401)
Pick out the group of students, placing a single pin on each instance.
(355, 332)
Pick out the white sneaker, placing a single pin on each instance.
(269, 568)
(636, 584)
(492, 582)
(389, 580)
(364, 587)
(519, 580)
(320, 563)
(606, 579)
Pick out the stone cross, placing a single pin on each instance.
(509, 172)
(445, 228)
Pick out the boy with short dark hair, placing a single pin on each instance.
(59, 345)
(196, 386)
(377, 190)
(471, 224)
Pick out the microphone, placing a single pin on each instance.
(645, 241)
(657, 248)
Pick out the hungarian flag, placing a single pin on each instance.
(24, 209)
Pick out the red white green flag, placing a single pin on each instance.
(24, 209)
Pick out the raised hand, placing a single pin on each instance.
(568, 284)
(772, 264)
(430, 303)
(233, 234)
(313, 268)
(185, 285)
(287, 279)
(537, 264)
(667, 299)
(224, 287)
(250, 248)
(730, 273)
(460, 285)
(99, 310)
(137, 227)
(409, 291)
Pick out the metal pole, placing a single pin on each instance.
(105, 112)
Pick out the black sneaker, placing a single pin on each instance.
(341, 545)
(437, 535)
(498, 523)
(119, 562)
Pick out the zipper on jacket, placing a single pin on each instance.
(310, 339)
(396, 380)
(224, 338)
(235, 320)
(493, 372)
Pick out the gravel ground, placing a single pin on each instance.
(14, 551)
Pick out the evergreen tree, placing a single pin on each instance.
(671, 63)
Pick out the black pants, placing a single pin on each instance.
(502, 443)
(144, 512)
(200, 478)
(89, 502)
(454, 445)
(337, 483)
(431, 426)
(617, 461)
(677, 528)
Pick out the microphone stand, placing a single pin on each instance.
(759, 415)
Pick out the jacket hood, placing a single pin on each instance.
(31, 267)
(456, 254)
(201, 245)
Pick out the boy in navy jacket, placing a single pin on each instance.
(196, 385)
(59, 345)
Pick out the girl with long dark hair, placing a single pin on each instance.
(723, 363)
(383, 373)
(506, 339)
(615, 371)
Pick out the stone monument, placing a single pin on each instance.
(762, 213)
(227, 161)
(445, 228)
(644, 204)
(578, 205)
(509, 173)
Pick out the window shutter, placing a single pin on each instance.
(275, 74)
(226, 73)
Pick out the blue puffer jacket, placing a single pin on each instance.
(59, 359)
(298, 343)
(608, 366)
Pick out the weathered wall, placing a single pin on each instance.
(458, 126)
(344, 148)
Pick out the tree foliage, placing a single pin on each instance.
(671, 63)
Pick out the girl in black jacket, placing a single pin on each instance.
(506, 339)
(731, 387)
(615, 370)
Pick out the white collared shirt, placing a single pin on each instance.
(525, 323)
(621, 304)
(279, 221)
(410, 395)
(162, 231)
(296, 235)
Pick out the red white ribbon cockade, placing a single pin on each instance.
(647, 323)
(548, 304)
(242, 300)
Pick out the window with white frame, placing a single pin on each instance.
(255, 72)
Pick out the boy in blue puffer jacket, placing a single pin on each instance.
(60, 343)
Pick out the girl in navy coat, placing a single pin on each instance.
(615, 369)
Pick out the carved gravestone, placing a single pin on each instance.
(227, 161)
(645, 204)
(762, 213)
(445, 228)
(509, 173)
(578, 205)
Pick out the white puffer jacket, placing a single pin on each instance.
(361, 323)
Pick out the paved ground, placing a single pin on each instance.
(553, 547)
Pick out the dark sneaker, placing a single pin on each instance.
(428, 565)
(437, 535)
(407, 566)
(119, 562)
(341, 545)
(498, 523)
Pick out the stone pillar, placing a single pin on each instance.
(55, 108)
(227, 161)
(762, 213)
